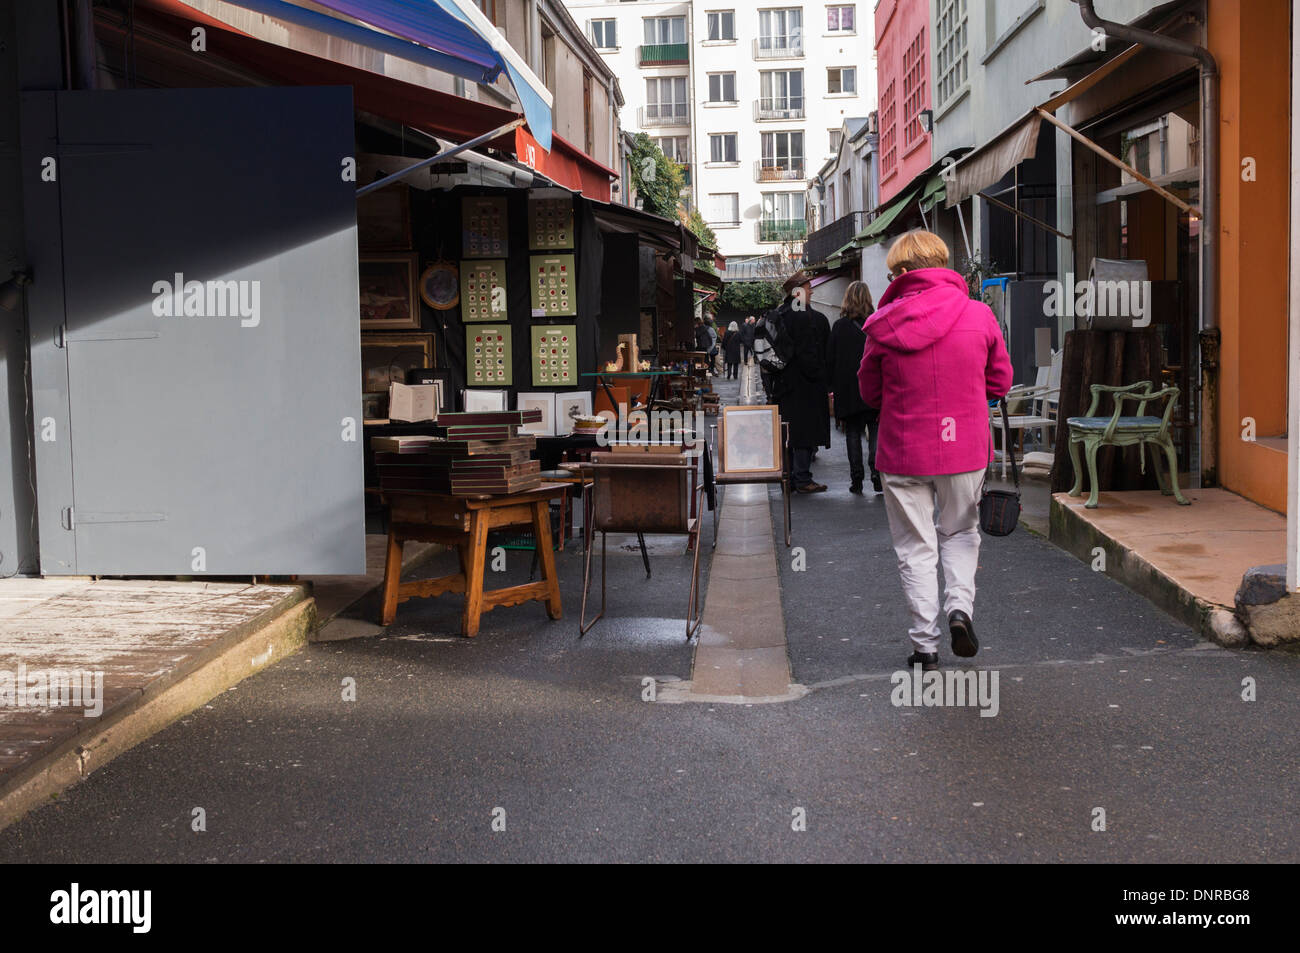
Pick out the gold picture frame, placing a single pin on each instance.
(440, 285)
(386, 284)
(750, 440)
(384, 219)
(385, 359)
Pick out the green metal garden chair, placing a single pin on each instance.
(1118, 431)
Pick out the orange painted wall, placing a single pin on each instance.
(1250, 39)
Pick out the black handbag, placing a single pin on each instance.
(1000, 509)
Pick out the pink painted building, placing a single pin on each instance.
(903, 82)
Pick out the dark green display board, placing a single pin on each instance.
(484, 227)
(487, 355)
(550, 223)
(554, 286)
(554, 354)
(483, 290)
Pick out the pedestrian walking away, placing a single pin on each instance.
(933, 361)
(843, 358)
(765, 332)
(801, 388)
(704, 342)
(714, 344)
(747, 337)
(731, 349)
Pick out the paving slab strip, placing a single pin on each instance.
(741, 656)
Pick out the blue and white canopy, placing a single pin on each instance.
(452, 36)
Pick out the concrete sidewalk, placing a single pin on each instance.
(147, 652)
(1189, 560)
(139, 653)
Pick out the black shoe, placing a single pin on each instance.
(875, 483)
(929, 661)
(962, 631)
(811, 488)
(856, 487)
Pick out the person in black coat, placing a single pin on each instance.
(801, 388)
(747, 337)
(731, 350)
(843, 357)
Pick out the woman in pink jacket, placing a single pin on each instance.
(933, 361)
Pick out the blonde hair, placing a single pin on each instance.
(917, 249)
(857, 303)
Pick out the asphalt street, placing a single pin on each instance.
(1104, 703)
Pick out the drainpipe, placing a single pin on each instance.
(1209, 335)
(534, 37)
(83, 21)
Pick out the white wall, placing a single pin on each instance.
(822, 112)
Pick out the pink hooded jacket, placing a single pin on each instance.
(934, 359)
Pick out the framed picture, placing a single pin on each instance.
(374, 406)
(387, 285)
(440, 285)
(569, 405)
(384, 219)
(751, 439)
(483, 401)
(545, 402)
(387, 358)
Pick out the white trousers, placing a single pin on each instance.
(935, 519)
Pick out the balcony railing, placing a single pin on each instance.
(778, 47)
(782, 107)
(829, 239)
(782, 229)
(663, 114)
(778, 170)
(664, 54)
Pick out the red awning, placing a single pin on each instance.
(565, 164)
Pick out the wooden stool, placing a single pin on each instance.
(464, 522)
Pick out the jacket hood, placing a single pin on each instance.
(918, 308)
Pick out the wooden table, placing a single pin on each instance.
(464, 522)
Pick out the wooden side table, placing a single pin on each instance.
(464, 522)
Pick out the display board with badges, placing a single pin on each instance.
(483, 290)
(487, 355)
(485, 227)
(550, 223)
(554, 290)
(555, 358)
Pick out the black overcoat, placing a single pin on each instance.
(802, 387)
(843, 358)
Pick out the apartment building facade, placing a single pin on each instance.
(584, 83)
(752, 99)
(903, 58)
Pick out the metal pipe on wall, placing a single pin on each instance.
(83, 17)
(1209, 336)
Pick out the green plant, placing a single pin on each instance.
(751, 297)
(658, 180)
(975, 269)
